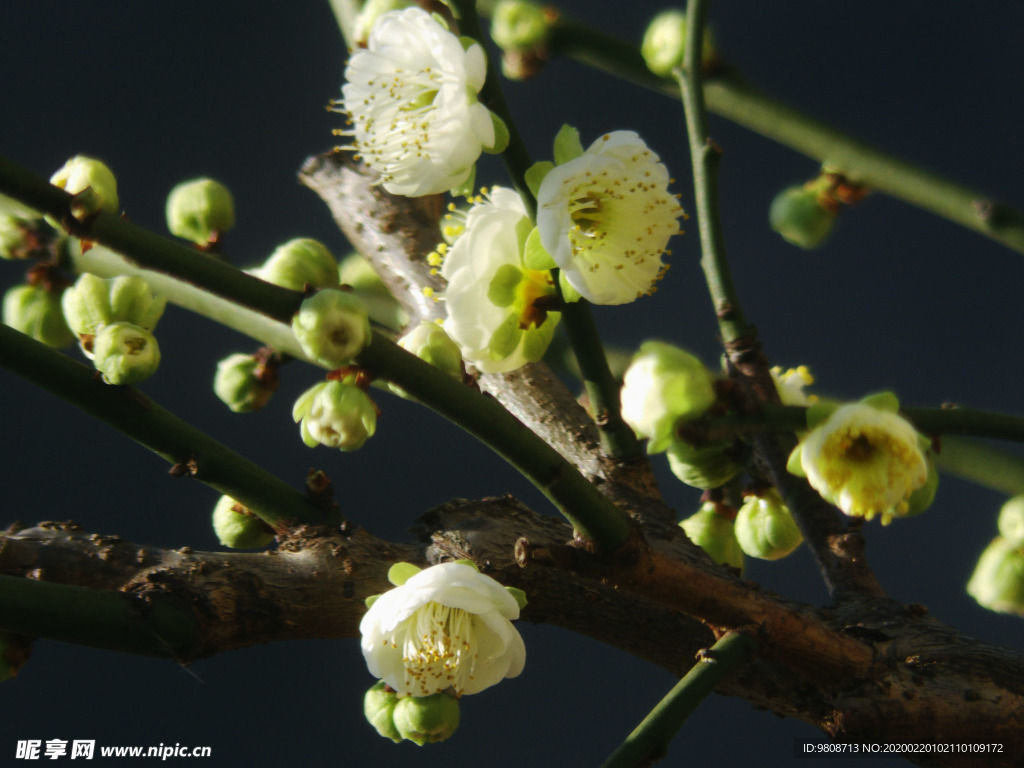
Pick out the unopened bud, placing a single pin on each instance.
(332, 327)
(36, 312)
(664, 43)
(379, 710)
(429, 342)
(519, 25)
(200, 211)
(337, 414)
(426, 719)
(998, 579)
(715, 535)
(92, 183)
(93, 302)
(1011, 521)
(299, 264)
(764, 527)
(22, 238)
(245, 382)
(709, 466)
(125, 353)
(798, 215)
(236, 527)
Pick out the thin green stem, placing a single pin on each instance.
(729, 96)
(650, 740)
(181, 444)
(982, 464)
(115, 621)
(617, 439)
(705, 156)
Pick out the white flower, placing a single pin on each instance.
(493, 301)
(446, 627)
(865, 460)
(411, 98)
(606, 217)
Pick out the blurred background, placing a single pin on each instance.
(166, 91)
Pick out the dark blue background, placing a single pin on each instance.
(165, 91)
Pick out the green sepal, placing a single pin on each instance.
(502, 290)
(371, 600)
(534, 254)
(535, 175)
(793, 465)
(882, 401)
(399, 573)
(519, 596)
(537, 340)
(470, 563)
(569, 294)
(501, 136)
(819, 413)
(567, 145)
(305, 401)
(506, 337)
(307, 438)
(923, 497)
(465, 189)
(444, 22)
(467, 42)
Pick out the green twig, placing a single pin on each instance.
(650, 740)
(99, 618)
(729, 96)
(982, 464)
(181, 444)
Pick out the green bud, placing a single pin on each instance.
(200, 211)
(796, 213)
(15, 650)
(709, 466)
(664, 43)
(429, 342)
(427, 719)
(125, 353)
(36, 312)
(300, 263)
(998, 579)
(332, 327)
(662, 387)
(92, 183)
(236, 527)
(715, 535)
(245, 382)
(1011, 521)
(370, 12)
(519, 25)
(337, 414)
(764, 527)
(22, 238)
(379, 710)
(93, 302)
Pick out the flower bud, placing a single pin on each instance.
(337, 414)
(715, 535)
(332, 327)
(429, 342)
(1011, 521)
(236, 527)
(427, 719)
(244, 383)
(379, 710)
(798, 215)
(200, 211)
(300, 263)
(664, 386)
(36, 312)
(93, 302)
(22, 238)
(92, 183)
(764, 527)
(664, 43)
(519, 25)
(125, 353)
(998, 579)
(709, 466)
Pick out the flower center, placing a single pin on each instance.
(532, 293)
(438, 650)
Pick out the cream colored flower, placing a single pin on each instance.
(411, 97)
(606, 217)
(446, 626)
(865, 460)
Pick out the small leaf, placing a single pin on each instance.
(882, 401)
(535, 175)
(534, 255)
(399, 573)
(567, 145)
